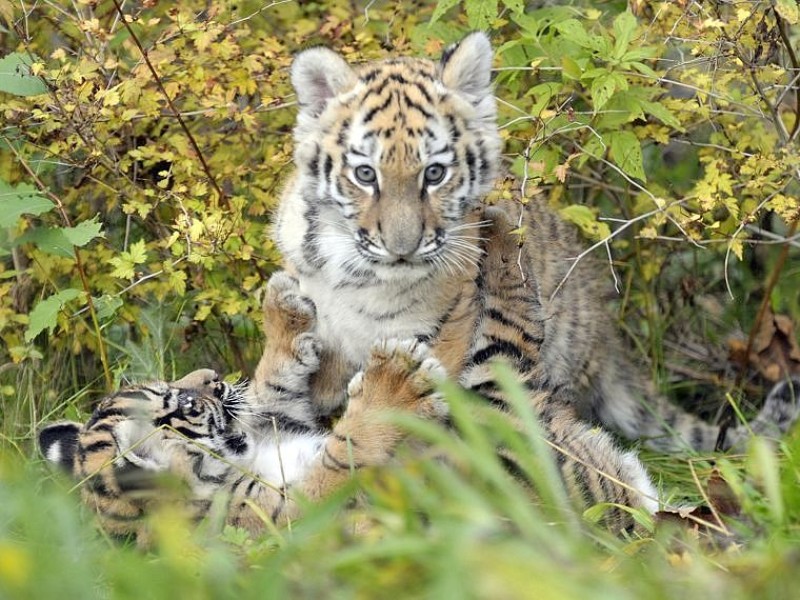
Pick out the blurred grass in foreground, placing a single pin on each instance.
(425, 530)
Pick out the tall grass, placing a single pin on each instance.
(424, 529)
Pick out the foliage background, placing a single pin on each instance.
(140, 158)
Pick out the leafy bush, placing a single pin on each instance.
(144, 144)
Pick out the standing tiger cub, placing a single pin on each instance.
(258, 446)
(383, 224)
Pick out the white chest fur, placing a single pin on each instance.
(351, 320)
(285, 460)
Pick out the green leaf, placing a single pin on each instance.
(515, 6)
(61, 241)
(126, 262)
(45, 314)
(84, 232)
(23, 199)
(481, 13)
(16, 78)
(602, 90)
(583, 217)
(574, 30)
(624, 28)
(662, 113)
(138, 252)
(788, 10)
(570, 68)
(542, 95)
(50, 240)
(442, 6)
(106, 306)
(645, 70)
(626, 152)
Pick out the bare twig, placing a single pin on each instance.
(795, 66)
(604, 242)
(256, 13)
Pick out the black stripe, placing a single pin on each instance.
(497, 348)
(371, 113)
(98, 485)
(96, 446)
(496, 315)
(337, 464)
(285, 423)
(190, 434)
(313, 164)
(340, 138)
(99, 415)
(276, 512)
(419, 108)
(328, 168)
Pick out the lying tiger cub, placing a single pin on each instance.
(211, 436)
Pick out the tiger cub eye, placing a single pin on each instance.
(365, 175)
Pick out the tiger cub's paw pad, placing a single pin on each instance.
(356, 385)
(409, 350)
(201, 379)
(298, 307)
(307, 350)
(281, 282)
(283, 295)
(401, 374)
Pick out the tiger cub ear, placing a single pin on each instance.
(467, 66)
(319, 74)
(58, 443)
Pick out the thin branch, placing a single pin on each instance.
(256, 13)
(175, 111)
(604, 242)
(793, 58)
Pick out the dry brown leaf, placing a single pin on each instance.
(721, 496)
(775, 352)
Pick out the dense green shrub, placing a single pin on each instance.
(148, 152)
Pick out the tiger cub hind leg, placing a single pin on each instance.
(595, 470)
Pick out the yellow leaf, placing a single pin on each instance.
(648, 233)
(15, 564)
(111, 97)
(737, 247)
(788, 10)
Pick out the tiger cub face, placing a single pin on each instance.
(143, 426)
(393, 156)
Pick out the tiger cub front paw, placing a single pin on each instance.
(286, 308)
(307, 350)
(400, 375)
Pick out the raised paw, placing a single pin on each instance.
(307, 351)
(281, 282)
(286, 307)
(400, 375)
(198, 380)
